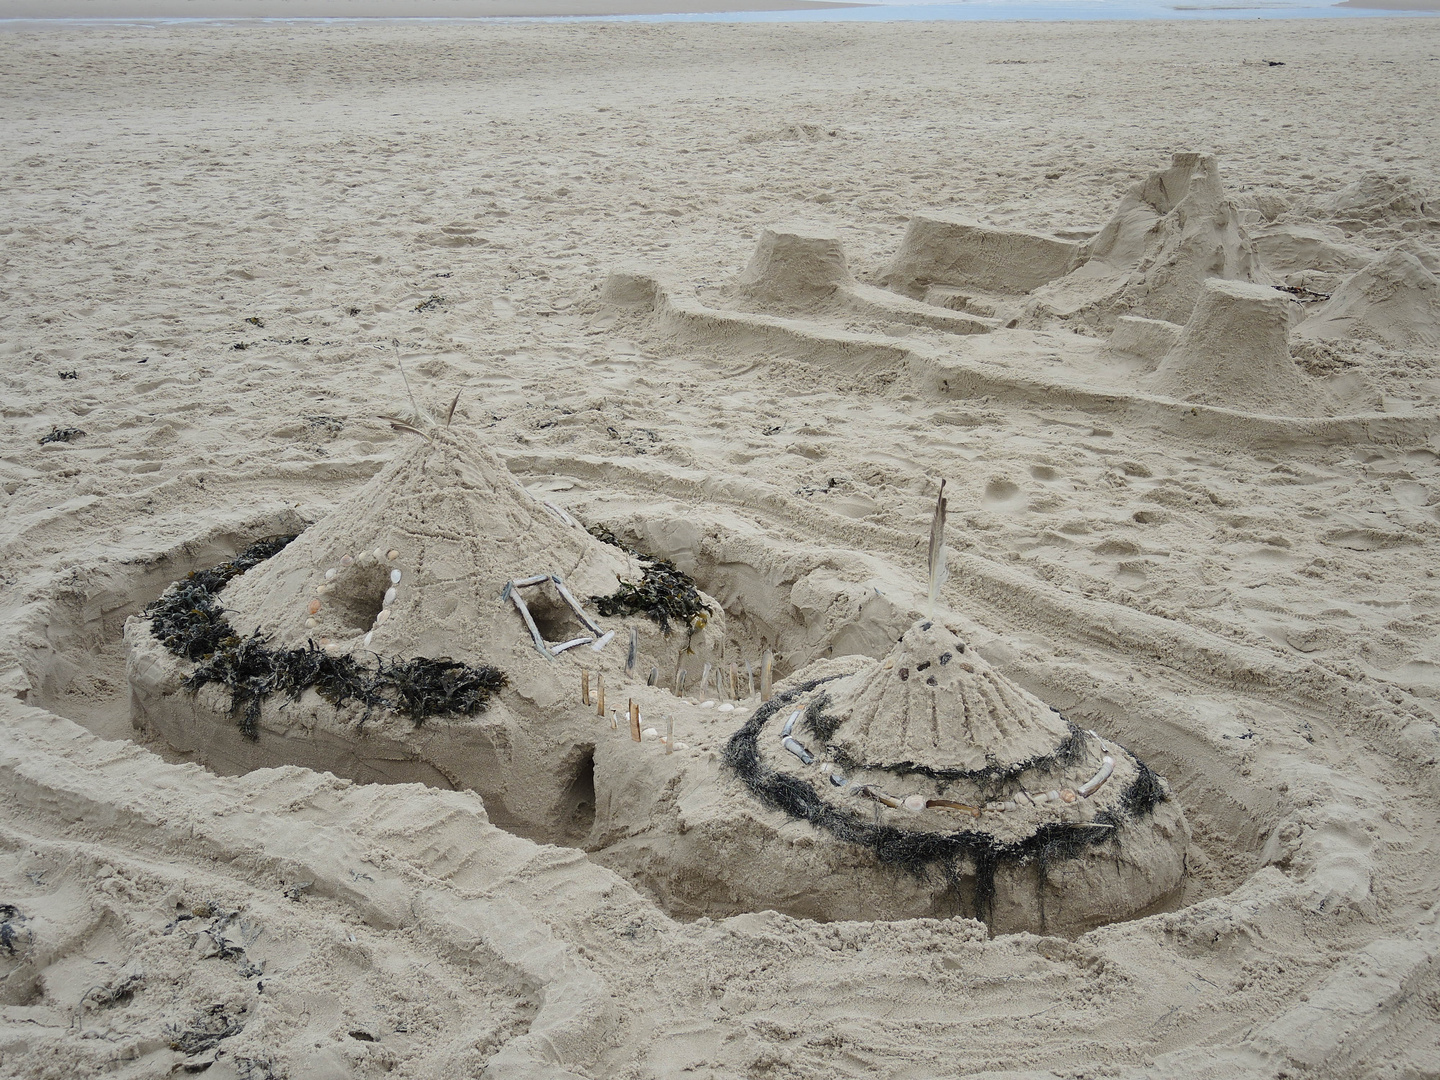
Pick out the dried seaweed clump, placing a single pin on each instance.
(190, 623)
(663, 594)
(921, 852)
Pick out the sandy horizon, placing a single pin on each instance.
(697, 285)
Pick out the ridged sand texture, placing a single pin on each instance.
(936, 702)
(460, 527)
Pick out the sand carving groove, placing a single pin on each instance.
(394, 640)
(1198, 310)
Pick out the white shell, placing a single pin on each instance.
(346, 560)
(381, 617)
(379, 553)
(681, 745)
(727, 707)
(707, 704)
(392, 554)
(389, 596)
(311, 622)
(368, 635)
(330, 574)
(394, 577)
(649, 733)
(914, 803)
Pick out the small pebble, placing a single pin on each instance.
(394, 577)
(650, 733)
(346, 560)
(392, 554)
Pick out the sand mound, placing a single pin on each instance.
(459, 528)
(1171, 232)
(1396, 299)
(1234, 352)
(795, 265)
(1378, 199)
(936, 764)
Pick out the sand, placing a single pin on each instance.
(1246, 600)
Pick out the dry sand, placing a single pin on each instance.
(1249, 603)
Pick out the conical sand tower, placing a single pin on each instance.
(416, 562)
(941, 765)
(428, 629)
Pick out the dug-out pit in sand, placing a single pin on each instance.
(390, 642)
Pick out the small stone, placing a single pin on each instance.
(392, 554)
(650, 733)
(379, 553)
(394, 577)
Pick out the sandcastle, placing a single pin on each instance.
(436, 626)
(415, 633)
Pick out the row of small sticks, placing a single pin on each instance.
(715, 675)
(632, 710)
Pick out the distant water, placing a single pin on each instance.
(1033, 10)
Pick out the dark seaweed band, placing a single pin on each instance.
(919, 852)
(189, 622)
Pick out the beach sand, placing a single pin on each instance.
(218, 239)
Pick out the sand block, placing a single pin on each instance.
(1290, 249)
(796, 264)
(1395, 299)
(941, 249)
(1234, 352)
(1150, 339)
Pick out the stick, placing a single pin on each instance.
(634, 721)
(734, 690)
(767, 662)
(654, 679)
(680, 683)
(534, 630)
(600, 692)
(938, 570)
(750, 675)
(584, 688)
(633, 656)
(590, 624)
(669, 734)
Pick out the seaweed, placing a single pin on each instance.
(434, 301)
(663, 593)
(918, 852)
(1067, 752)
(189, 622)
(61, 434)
(204, 1032)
